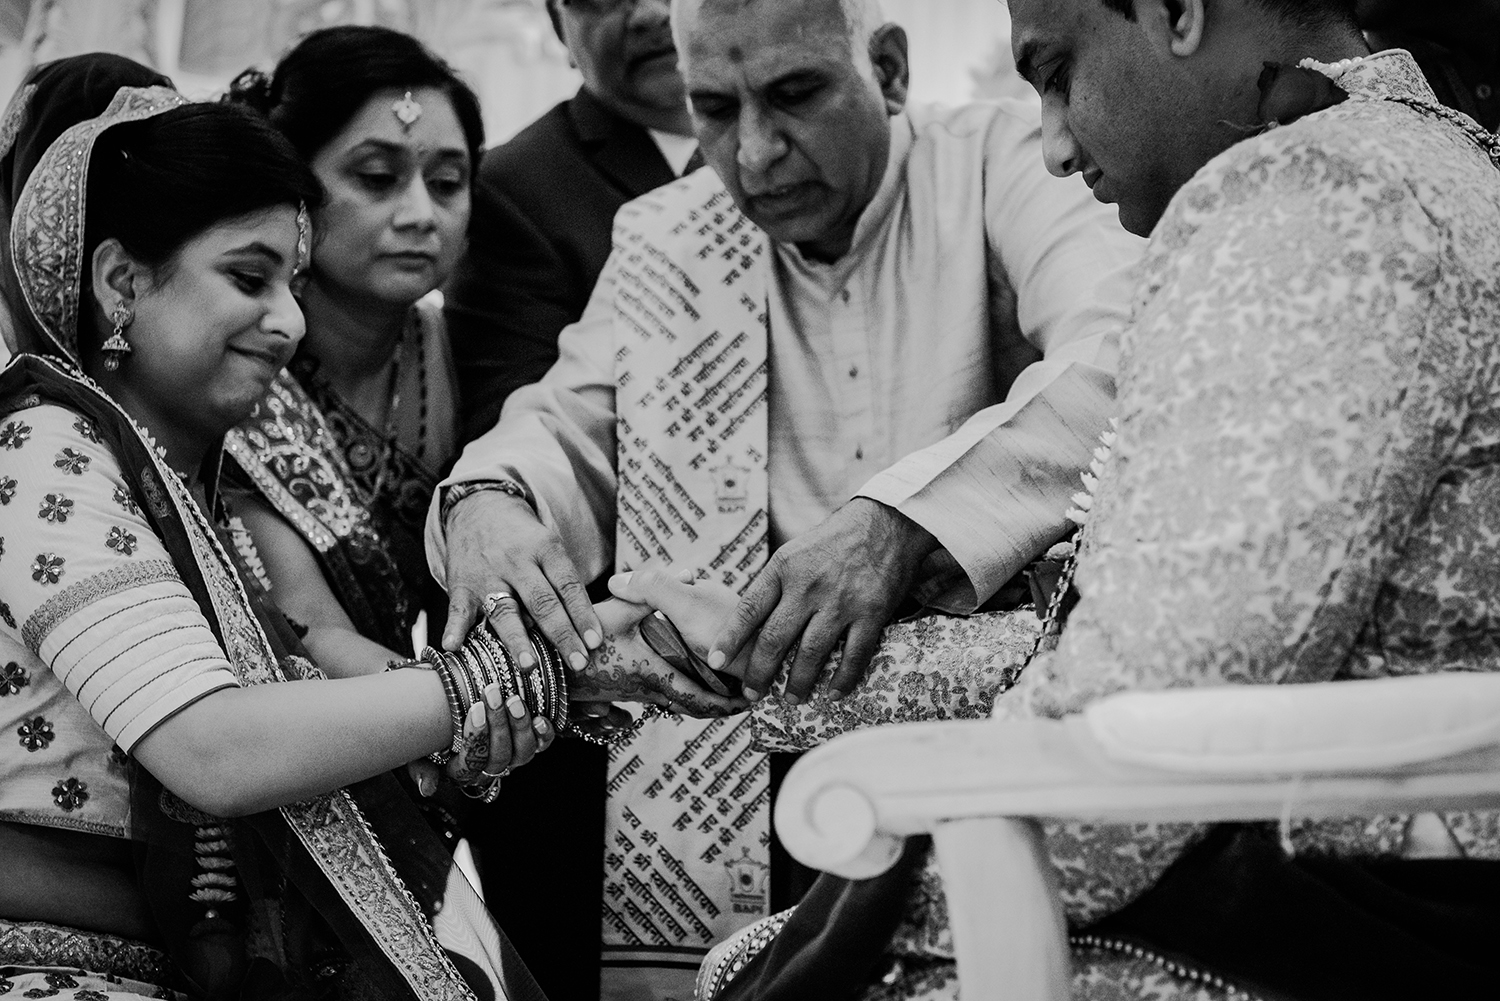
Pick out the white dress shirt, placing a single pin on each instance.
(956, 364)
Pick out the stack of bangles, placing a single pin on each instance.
(483, 661)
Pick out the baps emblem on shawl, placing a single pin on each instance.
(747, 883)
(731, 487)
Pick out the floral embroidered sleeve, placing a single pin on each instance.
(1303, 368)
(933, 668)
(87, 586)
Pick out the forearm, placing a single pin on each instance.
(341, 652)
(996, 492)
(244, 750)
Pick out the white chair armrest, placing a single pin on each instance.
(845, 806)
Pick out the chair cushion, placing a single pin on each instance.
(1341, 726)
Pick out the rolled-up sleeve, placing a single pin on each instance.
(995, 493)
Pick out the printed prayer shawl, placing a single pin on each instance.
(687, 822)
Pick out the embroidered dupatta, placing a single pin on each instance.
(290, 456)
(346, 892)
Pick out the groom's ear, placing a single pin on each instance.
(1172, 26)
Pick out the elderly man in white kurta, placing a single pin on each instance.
(875, 341)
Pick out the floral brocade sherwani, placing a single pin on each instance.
(1306, 480)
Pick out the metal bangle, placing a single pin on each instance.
(549, 664)
(500, 657)
(450, 691)
(483, 661)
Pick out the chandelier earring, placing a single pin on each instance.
(117, 347)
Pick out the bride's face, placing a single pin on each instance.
(215, 326)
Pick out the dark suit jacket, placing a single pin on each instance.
(544, 206)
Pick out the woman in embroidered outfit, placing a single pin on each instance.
(143, 673)
(351, 442)
(1304, 486)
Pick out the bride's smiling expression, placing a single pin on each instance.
(210, 329)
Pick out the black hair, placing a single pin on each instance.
(321, 84)
(158, 183)
(1304, 13)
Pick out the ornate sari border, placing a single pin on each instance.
(35, 943)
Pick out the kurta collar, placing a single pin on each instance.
(872, 221)
(1390, 73)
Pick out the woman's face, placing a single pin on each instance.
(213, 328)
(397, 205)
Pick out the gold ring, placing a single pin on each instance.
(492, 601)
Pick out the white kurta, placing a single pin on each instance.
(978, 289)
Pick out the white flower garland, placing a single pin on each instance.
(1083, 501)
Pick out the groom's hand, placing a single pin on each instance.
(844, 579)
(497, 545)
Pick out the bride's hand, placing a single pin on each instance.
(625, 669)
(699, 609)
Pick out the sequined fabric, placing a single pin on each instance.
(52, 948)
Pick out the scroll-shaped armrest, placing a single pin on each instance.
(1350, 748)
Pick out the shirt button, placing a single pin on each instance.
(859, 454)
(845, 294)
(1483, 92)
(854, 372)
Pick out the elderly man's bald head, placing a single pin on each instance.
(791, 101)
(860, 18)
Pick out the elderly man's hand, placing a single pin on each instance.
(845, 576)
(497, 545)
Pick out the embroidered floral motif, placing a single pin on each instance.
(7, 489)
(70, 794)
(6, 984)
(156, 497)
(47, 568)
(244, 544)
(70, 460)
(36, 734)
(121, 541)
(85, 427)
(127, 503)
(41, 992)
(5, 616)
(14, 435)
(2, 547)
(117, 757)
(61, 981)
(90, 995)
(55, 508)
(13, 678)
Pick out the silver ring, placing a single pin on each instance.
(492, 601)
(495, 776)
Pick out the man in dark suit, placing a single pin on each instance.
(545, 201)
(544, 206)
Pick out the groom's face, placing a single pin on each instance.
(1115, 108)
